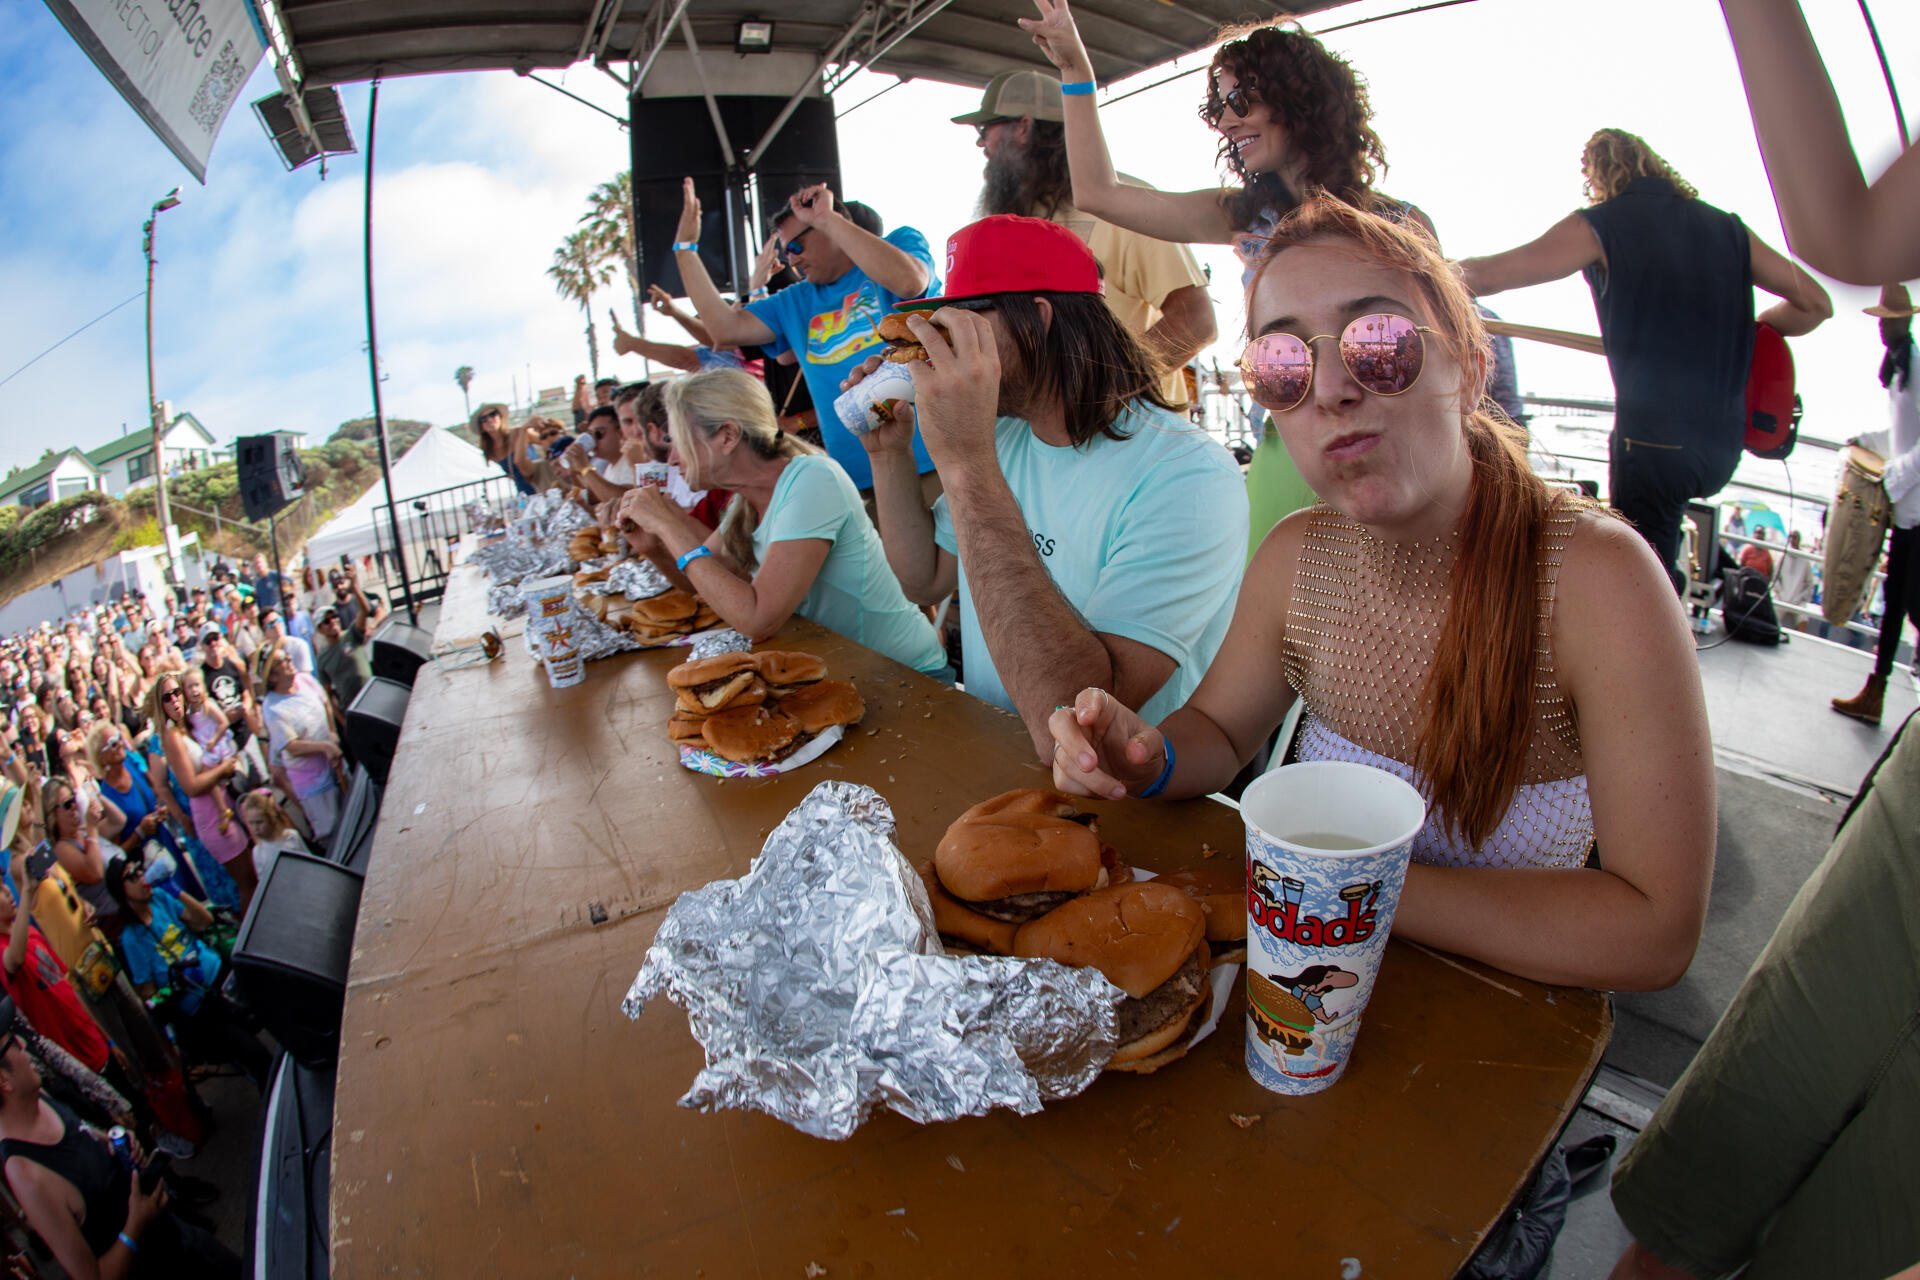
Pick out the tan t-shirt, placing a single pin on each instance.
(1139, 272)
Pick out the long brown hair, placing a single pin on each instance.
(1614, 157)
(1474, 739)
(1085, 356)
(1322, 102)
(708, 401)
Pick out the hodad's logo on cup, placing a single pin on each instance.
(1327, 850)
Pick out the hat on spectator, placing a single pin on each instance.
(1899, 305)
(211, 632)
(1013, 94)
(1010, 254)
(328, 614)
(11, 794)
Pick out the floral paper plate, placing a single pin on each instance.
(701, 760)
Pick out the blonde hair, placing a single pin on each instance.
(97, 742)
(259, 803)
(1614, 157)
(708, 401)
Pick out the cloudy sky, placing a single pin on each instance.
(258, 320)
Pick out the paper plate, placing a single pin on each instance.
(701, 760)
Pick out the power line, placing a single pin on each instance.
(69, 338)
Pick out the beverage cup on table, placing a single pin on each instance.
(1327, 850)
(551, 618)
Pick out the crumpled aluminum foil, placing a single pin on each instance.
(513, 560)
(638, 580)
(505, 601)
(591, 638)
(711, 644)
(818, 987)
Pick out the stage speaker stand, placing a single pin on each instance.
(399, 650)
(373, 725)
(270, 472)
(286, 1231)
(290, 957)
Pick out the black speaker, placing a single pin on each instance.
(351, 844)
(290, 956)
(373, 725)
(673, 138)
(271, 474)
(286, 1231)
(399, 649)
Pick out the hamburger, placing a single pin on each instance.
(752, 734)
(1222, 895)
(1148, 939)
(670, 613)
(707, 686)
(682, 727)
(786, 672)
(822, 704)
(1009, 860)
(902, 346)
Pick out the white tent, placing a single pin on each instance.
(438, 460)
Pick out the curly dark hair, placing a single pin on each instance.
(1322, 102)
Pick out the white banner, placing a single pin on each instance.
(179, 63)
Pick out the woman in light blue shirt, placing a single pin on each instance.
(795, 539)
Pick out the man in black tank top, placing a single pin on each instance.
(1672, 280)
(76, 1192)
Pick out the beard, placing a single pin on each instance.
(1005, 187)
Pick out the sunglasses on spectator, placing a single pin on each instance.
(1239, 101)
(1383, 353)
(980, 130)
(794, 246)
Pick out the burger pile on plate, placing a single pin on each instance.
(662, 617)
(591, 544)
(757, 708)
(1025, 874)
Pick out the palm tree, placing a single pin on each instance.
(580, 265)
(464, 376)
(609, 219)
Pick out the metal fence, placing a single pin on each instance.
(432, 522)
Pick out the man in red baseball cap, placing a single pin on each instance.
(1096, 535)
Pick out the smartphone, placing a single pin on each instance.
(153, 1170)
(40, 861)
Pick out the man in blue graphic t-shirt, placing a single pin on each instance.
(849, 278)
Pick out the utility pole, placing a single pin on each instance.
(160, 206)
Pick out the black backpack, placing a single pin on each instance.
(1746, 606)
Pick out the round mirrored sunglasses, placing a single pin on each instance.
(1383, 353)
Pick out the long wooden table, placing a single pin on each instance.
(498, 1114)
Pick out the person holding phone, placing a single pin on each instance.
(100, 1220)
(36, 978)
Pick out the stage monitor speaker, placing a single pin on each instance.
(271, 474)
(673, 138)
(399, 649)
(286, 1235)
(290, 956)
(373, 725)
(351, 844)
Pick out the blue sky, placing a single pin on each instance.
(258, 321)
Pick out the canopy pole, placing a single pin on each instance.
(373, 365)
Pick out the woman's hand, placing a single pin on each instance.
(689, 228)
(659, 299)
(1100, 748)
(1054, 31)
(332, 751)
(648, 508)
(149, 824)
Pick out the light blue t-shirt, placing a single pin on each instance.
(1145, 537)
(834, 327)
(855, 592)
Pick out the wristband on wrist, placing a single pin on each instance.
(1160, 783)
(1077, 89)
(691, 556)
(127, 1240)
(686, 246)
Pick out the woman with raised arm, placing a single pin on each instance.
(1510, 649)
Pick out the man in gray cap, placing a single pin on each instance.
(1155, 288)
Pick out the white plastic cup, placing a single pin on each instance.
(565, 668)
(551, 617)
(861, 408)
(1318, 915)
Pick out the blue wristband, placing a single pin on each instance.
(691, 556)
(127, 1240)
(686, 246)
(1078, 88)
(1160, 783)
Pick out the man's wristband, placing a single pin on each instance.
(1077, 89)
(686, 246)
(691, 556)
(1160, 783)
(127, 1240)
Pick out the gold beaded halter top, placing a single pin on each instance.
(1362, 625)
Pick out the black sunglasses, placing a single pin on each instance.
(980, 130)
(794, 246)
(1218, 104)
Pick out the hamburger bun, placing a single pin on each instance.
(682, 727)
(902, 346)
(955, 920)
(823, 704)
(749, 734)
(1137, 934)
(784, 671)
(1016, 845)
(741, 690)
(717, 683)
(1221, 893)
(669, 606)
(1156, 1046)
(705, 670)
